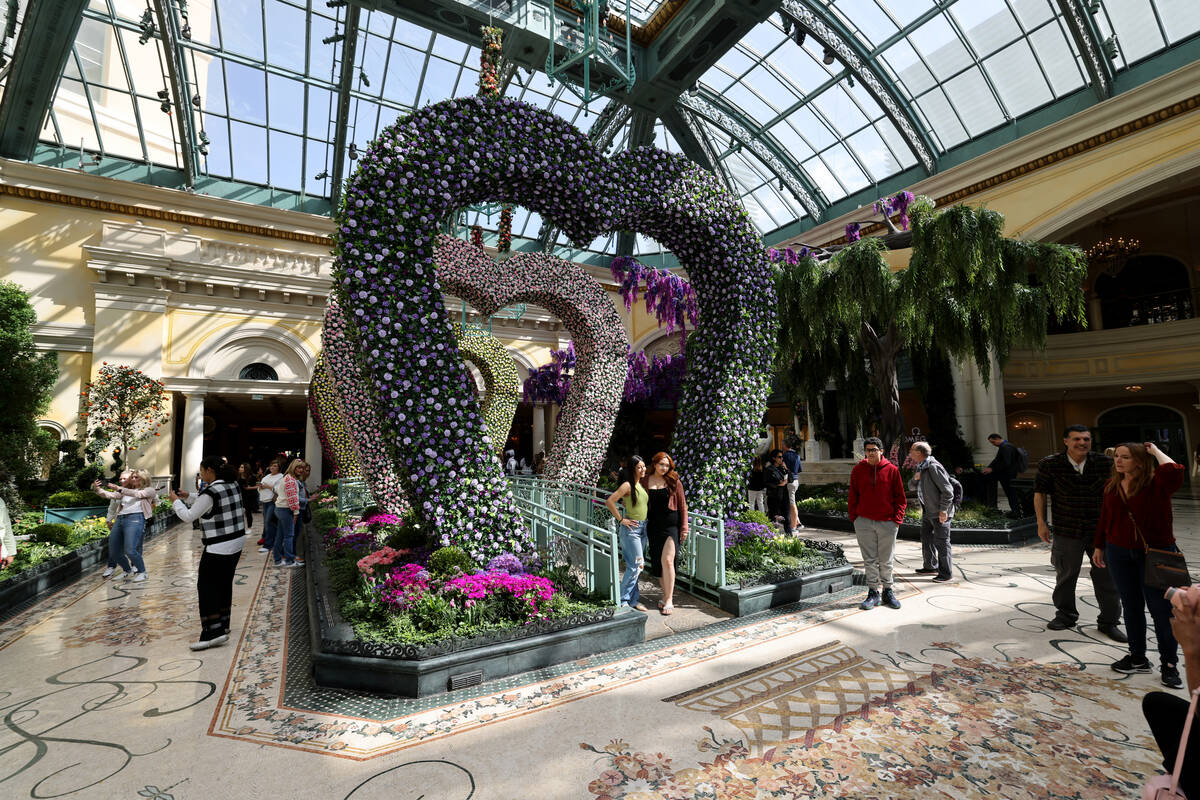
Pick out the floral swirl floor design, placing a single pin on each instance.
(252, 707)
(1011, 729)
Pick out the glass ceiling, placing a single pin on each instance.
(264, 74)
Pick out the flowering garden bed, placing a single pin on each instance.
(765, 569)
(389, 615)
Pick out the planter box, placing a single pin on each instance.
(751, 600)
(341, 661)
(1023, 531)
(69, 516)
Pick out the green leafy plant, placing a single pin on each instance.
(446, 562)
(52, 533)
(87, 530)
(29, 555)
(751, 515)
(73, 499)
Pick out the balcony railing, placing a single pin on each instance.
(1150, 309)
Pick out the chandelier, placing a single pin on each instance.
(1113, 251)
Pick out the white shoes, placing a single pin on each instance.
(205, 644)
(108, 572)
(263, 550)
(139, 577)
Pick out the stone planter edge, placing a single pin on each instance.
(1017, 534)
(753, 599)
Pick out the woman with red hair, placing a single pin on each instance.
(666, 523)
(1136, 516)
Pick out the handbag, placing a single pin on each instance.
(1164, 568)
(1166, 787)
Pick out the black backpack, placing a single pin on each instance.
(1022, 460)
(958, 491)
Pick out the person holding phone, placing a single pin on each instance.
(135, 496)
(218, 509)
(1136, 516)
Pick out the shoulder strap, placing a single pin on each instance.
(1136, 529)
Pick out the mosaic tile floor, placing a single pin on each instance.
(962, 693)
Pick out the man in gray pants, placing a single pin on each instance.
(935, 492)
(876, 503)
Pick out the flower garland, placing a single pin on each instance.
(567, 291)
(489, 61)
(499, 376)
(506, 218)
(327, 456)
(669, 297)
(477, 236)
(450, 154)
(342, 363)
(336, 440)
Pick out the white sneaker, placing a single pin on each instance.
(263, 550)
(108, 572)
(218, 641)
(139, 577)
(128, 576)
(200, 645)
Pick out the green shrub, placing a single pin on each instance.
(757, 517)
(52, 533)
(74, 500)
(89, 475)
(447, 562)
(326, 518)
(405, 537)
(822, 490)
(30, 554)
(823, 505)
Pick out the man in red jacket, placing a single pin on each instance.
(876, 505)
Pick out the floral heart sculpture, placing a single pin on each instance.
(500, 379)
(361, 417)
(330, 421)
(472, 149)
(566, 290)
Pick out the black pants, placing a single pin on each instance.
(214, 585)
(1066, 556)
(1166, 715)
(1014, 496)
(778, 506)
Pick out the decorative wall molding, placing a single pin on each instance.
(63, 336)
(199, 387)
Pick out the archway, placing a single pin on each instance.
(1162, 425)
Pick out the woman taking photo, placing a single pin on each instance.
(631, 526)
(666, 524)
(218, 507)
(134, 498)
(1136, 515)
(287, 517)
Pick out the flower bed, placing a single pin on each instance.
(764, 568)
(825, 506)
(388, 615)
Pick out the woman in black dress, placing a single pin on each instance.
(666, 524)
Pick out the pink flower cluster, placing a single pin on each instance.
(383, 557)
(532, 591)
(404, 586)
(382, 519)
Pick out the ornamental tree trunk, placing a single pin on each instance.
(882, 352)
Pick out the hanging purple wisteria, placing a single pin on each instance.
(654, 380)
(669, 297)
(470, 150)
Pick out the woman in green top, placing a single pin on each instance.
(632, 527)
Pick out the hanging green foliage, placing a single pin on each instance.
(967, 292)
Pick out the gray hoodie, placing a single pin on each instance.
(933, 488)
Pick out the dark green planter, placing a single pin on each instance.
(340, 661)
(751, 600)
(1023, 531)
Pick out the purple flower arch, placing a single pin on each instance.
(330, 421)
(575, 297)
(467, 150)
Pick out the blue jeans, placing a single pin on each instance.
(634, 544)
(269, 524)
(125, 542)
(1128, 569)
(284, 532)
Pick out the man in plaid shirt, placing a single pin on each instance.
(1075, 480)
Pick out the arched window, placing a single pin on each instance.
(258, 372)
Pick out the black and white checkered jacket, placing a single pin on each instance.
(226, 520)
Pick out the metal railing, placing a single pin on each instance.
(701, 562)
(354, 495)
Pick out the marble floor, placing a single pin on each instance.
(962, 693)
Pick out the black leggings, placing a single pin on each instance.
(214, 585)
(1166, 715)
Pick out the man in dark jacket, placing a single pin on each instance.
(775, 479)
(935, 493)
(1074, 479)
(876, 503)
(1004, 468)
